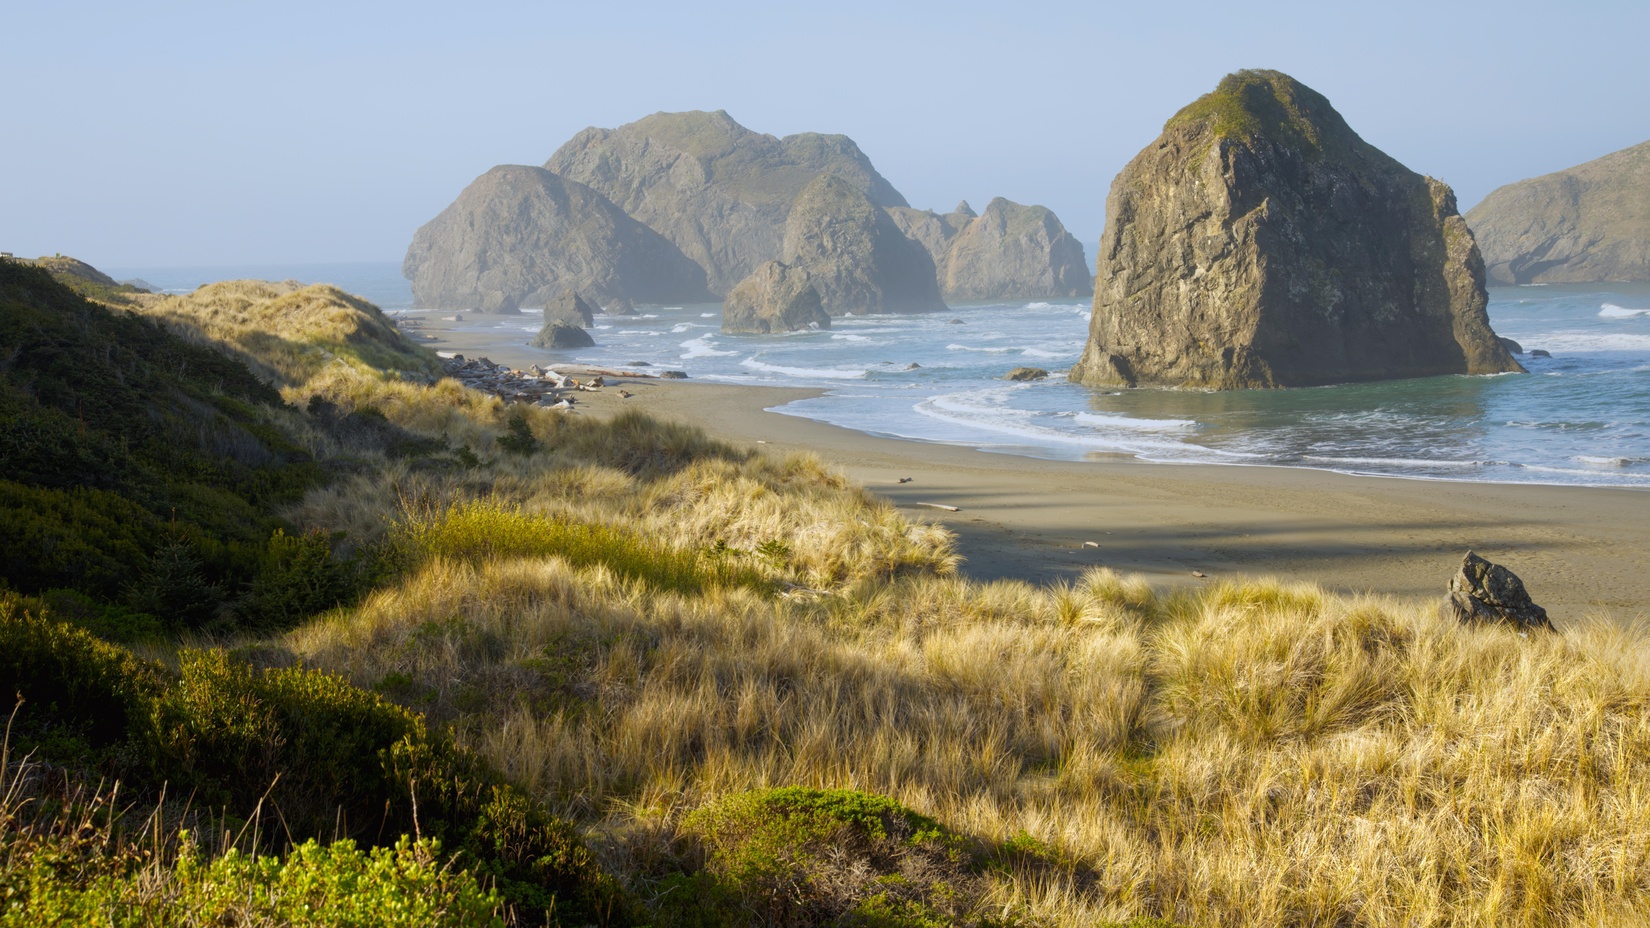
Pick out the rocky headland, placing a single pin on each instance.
(1011, 251)
(716, 189)
(519, 236)
(1586, 224)
(1259, 242)
(855, 256)
(776, 298)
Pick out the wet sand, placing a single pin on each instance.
(1581, 551)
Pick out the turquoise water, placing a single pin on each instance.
(1580, 417)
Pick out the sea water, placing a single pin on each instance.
(1579, 417)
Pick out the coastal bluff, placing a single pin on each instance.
(1260, 242)
(717, 190)
(1010, 251)
(1586, 224)
(521, 236)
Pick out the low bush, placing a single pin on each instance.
(301, 748)
(806, 857)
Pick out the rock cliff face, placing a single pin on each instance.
(776, 298)
(1011, 252)
(1259, 242)
(854, 254)
(518, 236)
(719, 191)
(1586, 224)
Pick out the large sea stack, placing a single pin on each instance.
(776, 298)
(1259, 242)
(520, 236)
(1587, 224)
(716, 189)
(855, 256)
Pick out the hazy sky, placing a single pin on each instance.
(202, 134)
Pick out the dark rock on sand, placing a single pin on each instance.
(1489, 593)
(776, 298)
(673, 375)
(518, 236)
(1259, 242)
(558, 334)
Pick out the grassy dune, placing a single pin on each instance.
(1255, 755)
(763, 697)
(287, 332)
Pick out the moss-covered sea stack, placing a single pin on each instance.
(1259, 242)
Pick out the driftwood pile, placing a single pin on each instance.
(540, 385)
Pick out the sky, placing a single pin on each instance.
(200, 134)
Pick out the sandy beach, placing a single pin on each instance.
(1580, 550)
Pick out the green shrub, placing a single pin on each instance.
(299, 576)
(70, 681)
(297, 747)
(795, 856)
(518, 438)
(314, 886)
(323, 756)
(109, 621)
(91, 540)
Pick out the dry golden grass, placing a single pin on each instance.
(286, 332)
(1256, 754)
(664, 481)
(1260, 754)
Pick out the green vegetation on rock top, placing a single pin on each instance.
(1260, 104)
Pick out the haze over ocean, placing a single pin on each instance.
(178, 133)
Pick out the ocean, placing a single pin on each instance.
(1580, 417)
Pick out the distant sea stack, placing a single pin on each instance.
(1587, 224)
(714, 188)
(519, 236)
(1259, 242)
(1012, 251)
(776, 298)
(854, 253)
(571, 308)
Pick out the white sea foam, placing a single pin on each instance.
(1612, 311)
(703, 347)
(1610, 462)
(685, 326)
(827, 373)
(971, 348)
(1038, 306)
(601, 327)
(1407, 463)
(707, 315)
(1040, 353)
(1129, 422)
(849, 338)
(980, 410)
(632, 331)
